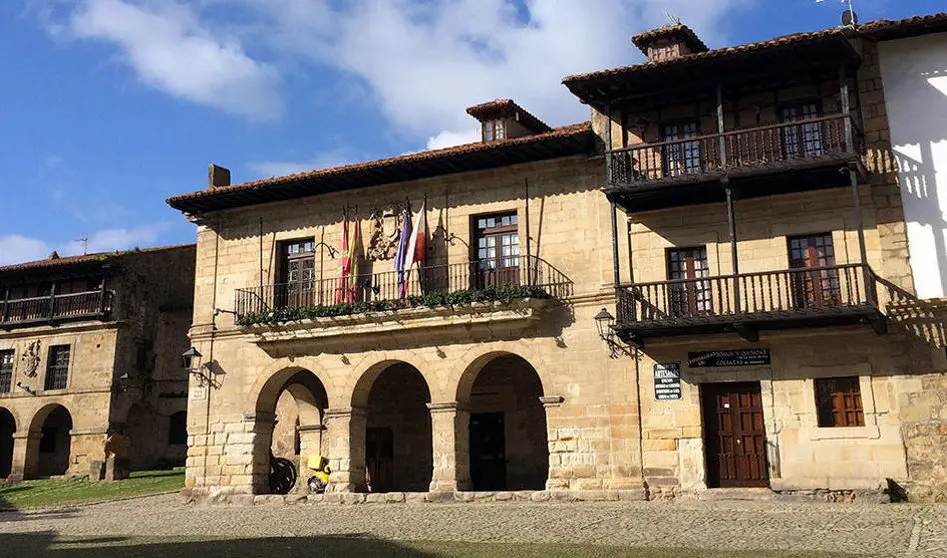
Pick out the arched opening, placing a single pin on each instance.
(508, 447)
(7, 428)
(55, 442)
(141, 430)
(399, 454)
(296, 401)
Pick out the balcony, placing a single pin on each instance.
(794, 156)
(90, 305)
(750, 302)
(488, 282)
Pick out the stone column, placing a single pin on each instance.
(247, 453)
(450, 424)
(345, 427)
(310, 443)
(25, 455)
(560, 450)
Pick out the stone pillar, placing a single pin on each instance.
(310, 443)
(247, 451)
(345, 427)
(450, 424)
(559, 449)
(25, 455)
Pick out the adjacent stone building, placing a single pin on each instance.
(708, 285)
(90, 347)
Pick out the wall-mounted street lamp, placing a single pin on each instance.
(121, 385)
(205, 373)
(603, 323)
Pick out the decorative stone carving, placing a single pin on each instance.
(30, 358)
(385, 232)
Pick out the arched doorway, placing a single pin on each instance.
(52, 424)
(295, 400)
(7, 428)
(508, 447)
(141, 431)
(398, 439)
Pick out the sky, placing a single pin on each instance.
(108, 107)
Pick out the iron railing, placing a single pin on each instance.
(778, 293)
(89, 304)
(691, 158)
(390, 285)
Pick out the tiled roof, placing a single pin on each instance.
(642, 40)
(559, 142)
(507, 108)
(65, 261)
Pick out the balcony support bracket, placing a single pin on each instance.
(747, 332)
(878, 324)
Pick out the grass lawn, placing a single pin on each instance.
(34, 493)
(35, 545)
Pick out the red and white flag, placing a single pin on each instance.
(415, 245)
(342, 286)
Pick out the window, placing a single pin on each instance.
(688, 296)
(493, 130)
(297, 274)
(839, 402)
(680, 157)
(57, 367)
(498, 250)
(804, 140)
(6, 371)
(817, 285)
(177, 428)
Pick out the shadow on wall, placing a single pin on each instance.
(917, 111)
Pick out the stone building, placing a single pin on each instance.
(706, 286)
(90, 347)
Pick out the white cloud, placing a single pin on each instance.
(16, 248)
(170, 50)
(448, 139)
(331, 158)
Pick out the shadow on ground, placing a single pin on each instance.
(49, 545)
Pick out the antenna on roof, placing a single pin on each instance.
(84, 239)
(672, 18)
(849, 17)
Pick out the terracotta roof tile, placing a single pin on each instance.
(507, 108)
(64, 261)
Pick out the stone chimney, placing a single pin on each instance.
(669, 42)
(217, 177)
(503, 119)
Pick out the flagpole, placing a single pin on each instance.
(529, 262)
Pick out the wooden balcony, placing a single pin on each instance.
(750, 302)
(758, 161)
(90, 305)
(513, 276)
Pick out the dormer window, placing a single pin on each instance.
(493, 130)
(669, 42)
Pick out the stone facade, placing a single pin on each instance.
(404, 400)
(141, 336)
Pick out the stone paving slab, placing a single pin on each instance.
(860, 530)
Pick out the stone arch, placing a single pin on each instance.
(477, 358)
(7, 429)
(507, 444)
(49, 445)
(289, 412)
(396, 443)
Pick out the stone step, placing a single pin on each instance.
(725, 494)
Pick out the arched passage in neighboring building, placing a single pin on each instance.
(141, 429)
(51, 428)
(399, 453)
(7, 428)
(296, 400)
(508, 447)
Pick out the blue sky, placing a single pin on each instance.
(107, 107)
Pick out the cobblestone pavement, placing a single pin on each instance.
(862, 530)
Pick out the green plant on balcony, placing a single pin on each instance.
(504, 294)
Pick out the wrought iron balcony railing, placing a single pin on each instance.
(57, 308)
(801, 296)
(706, 157)
(514, 271)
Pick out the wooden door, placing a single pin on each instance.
(498, 251)
(805, 138)
(688, 295)
(487, 451)
(297, 275)
(379, 459)
(814, 283)
(734, 435)
(681, 158)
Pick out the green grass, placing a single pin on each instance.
(36, 493)
(39, 544)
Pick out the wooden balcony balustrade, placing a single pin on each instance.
(806, 297)
(519, 270)
(56, 308)
(765, 149)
